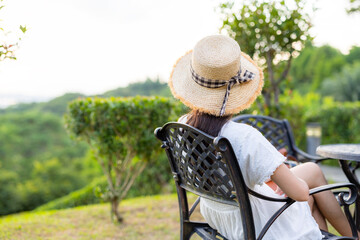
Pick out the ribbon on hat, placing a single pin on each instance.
(211, 83)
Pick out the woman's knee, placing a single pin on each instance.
(311, 173)
(316, 174)
(314, 168)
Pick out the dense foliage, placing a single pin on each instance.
(120, 133)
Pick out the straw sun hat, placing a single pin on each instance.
(216, 77)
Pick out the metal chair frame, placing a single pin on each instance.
(207, 167)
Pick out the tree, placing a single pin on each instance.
(272, 33)
(120, 133)
(7, 50)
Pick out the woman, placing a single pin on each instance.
(217, 80)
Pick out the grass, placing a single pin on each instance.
(155, 217)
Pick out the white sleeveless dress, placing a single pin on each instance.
(258, 160)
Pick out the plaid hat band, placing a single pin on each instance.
(210, 83)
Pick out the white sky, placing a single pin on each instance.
(91, 46)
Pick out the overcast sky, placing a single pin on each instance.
(91, 46)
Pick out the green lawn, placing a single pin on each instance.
(155, 217)
(145, 218)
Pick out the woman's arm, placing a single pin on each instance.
(291, 185)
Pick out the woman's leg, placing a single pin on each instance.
(325, 201)
(315, 211)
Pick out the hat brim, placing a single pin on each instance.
(209, 100)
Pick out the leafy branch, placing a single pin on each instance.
(7, 50)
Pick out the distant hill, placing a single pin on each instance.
(146, 88)
(58, 105)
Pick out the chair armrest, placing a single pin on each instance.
(306, 157)
(350, 198)
(271, 199)
(345, 200)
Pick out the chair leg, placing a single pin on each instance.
(186, 231)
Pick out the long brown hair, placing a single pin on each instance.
(207, 123)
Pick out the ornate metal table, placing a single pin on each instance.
(349, 160)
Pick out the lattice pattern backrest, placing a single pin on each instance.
(199, 166)
(274, 130)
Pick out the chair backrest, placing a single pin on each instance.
(277, 132)
(206, 166)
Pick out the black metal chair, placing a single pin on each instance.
(207, 167)
(279, 134)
